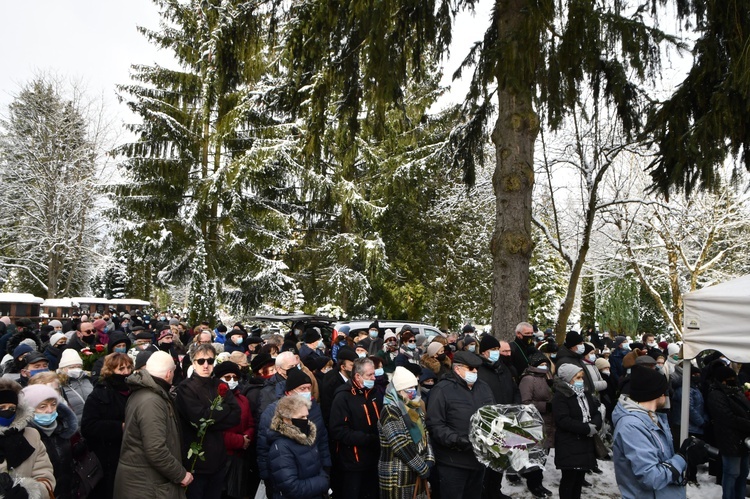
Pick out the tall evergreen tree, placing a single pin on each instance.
(533, 52)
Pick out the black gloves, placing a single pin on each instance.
(694, 451)
(9, 491)
(463, 444)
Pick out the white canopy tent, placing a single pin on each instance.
(716, 318)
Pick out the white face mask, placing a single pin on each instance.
(606, 372)
(592, 358)
(580, 349)
(542, 367)
(470, 377)
(232, 384)
(472, 348)
(75, 372)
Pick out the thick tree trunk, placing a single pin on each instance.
(514, 135)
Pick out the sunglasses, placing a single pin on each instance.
(412, 341)
(230, 377)
(203, 361)
(88, 331)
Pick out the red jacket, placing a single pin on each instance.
(233, 437)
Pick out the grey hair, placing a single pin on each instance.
(522, 325)
(288, 406)
(360, 364)
(284, 358)
(202, 348)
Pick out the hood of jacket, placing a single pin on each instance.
(565, 352)
(626, 405)
(292, 432)
(142, 380)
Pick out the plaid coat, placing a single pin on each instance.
(401, 463)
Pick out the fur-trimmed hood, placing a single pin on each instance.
(293, 433)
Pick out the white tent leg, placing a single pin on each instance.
(685, 407)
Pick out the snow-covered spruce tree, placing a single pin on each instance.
(203, 298)
(189, 179)
(617, 302)
(548, 283)
(50, 143)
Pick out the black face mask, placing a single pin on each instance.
(452, 346)
(507, 360)
(302, 425)
(89, 339)
(8, 413)
(529, 340)
(440, 357)
(118, 382)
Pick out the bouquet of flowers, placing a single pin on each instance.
(746, 390)
(508, 437)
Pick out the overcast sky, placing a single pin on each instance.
(95, 41)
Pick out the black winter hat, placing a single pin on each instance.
(260, 361)
(537, 359)
(468, 329)
(226, 367)
(142, 358)
(296, 378)
(374, 325)
(646, 384)
(346, 353)
(573, 338)
(488, 341)
(723, 373)
(311, 335)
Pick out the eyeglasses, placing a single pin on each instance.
(210, 361)
(411, 341)
(230, 377)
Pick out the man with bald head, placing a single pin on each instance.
(273, 390)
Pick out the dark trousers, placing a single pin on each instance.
(460, 483)
(207, 486)
(360, 484)
(493, 481)
(571, 484)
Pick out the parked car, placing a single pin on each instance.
(395, 326)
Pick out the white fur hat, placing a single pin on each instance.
(70, 358)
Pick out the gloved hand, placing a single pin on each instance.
(6, 483)
(694, 451)
(17, 492)
(592, 430)
(463, 444)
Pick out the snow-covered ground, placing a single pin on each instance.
(605, 486)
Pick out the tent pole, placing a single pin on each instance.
(685, 403)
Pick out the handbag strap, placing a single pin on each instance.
(48, 486)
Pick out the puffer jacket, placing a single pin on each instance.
(641, 451)
(535, 390)
(296, 467)
(263, 444)
(56, 439)
(37, 466)
(151, 458)
(193, 401)
(729, 410)
(451, 406)
(574, 448)
(353, 427)
(75, 391)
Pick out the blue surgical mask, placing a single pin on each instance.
(494, 355)
(121, 349)
(578, 384)
(34, 372)
(368, 383)
(238, 340)
(379, 371)
(542, 367)
(470, 377)
(411, 346)
(361, 355)
(553, 356)
(472, 348)
(374, 333)
(45, 419)
(305, 395)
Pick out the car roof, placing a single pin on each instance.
(293, 318)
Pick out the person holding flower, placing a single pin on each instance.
(577, 420)
(196, 400)
(405, 451)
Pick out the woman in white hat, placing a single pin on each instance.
(405, 452)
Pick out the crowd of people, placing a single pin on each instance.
(170, 410)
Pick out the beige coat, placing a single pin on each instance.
(37, 466)
(150, 461)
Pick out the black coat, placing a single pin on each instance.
(53, 355)
(451, 406)
(566, 356)
(193, 401)
(332, 381)
(353, 427)
(729, 411)
(60, 451)
(502, 381)
(574, 448)
(101, 426)
(521, 352)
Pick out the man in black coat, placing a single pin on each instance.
(353, 427)
(453, 400)
(572, 353)
(523, 347)
(336, 378)
(498, 372)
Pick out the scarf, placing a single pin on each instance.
(14, 448)
(411, 415)
(583, 403)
